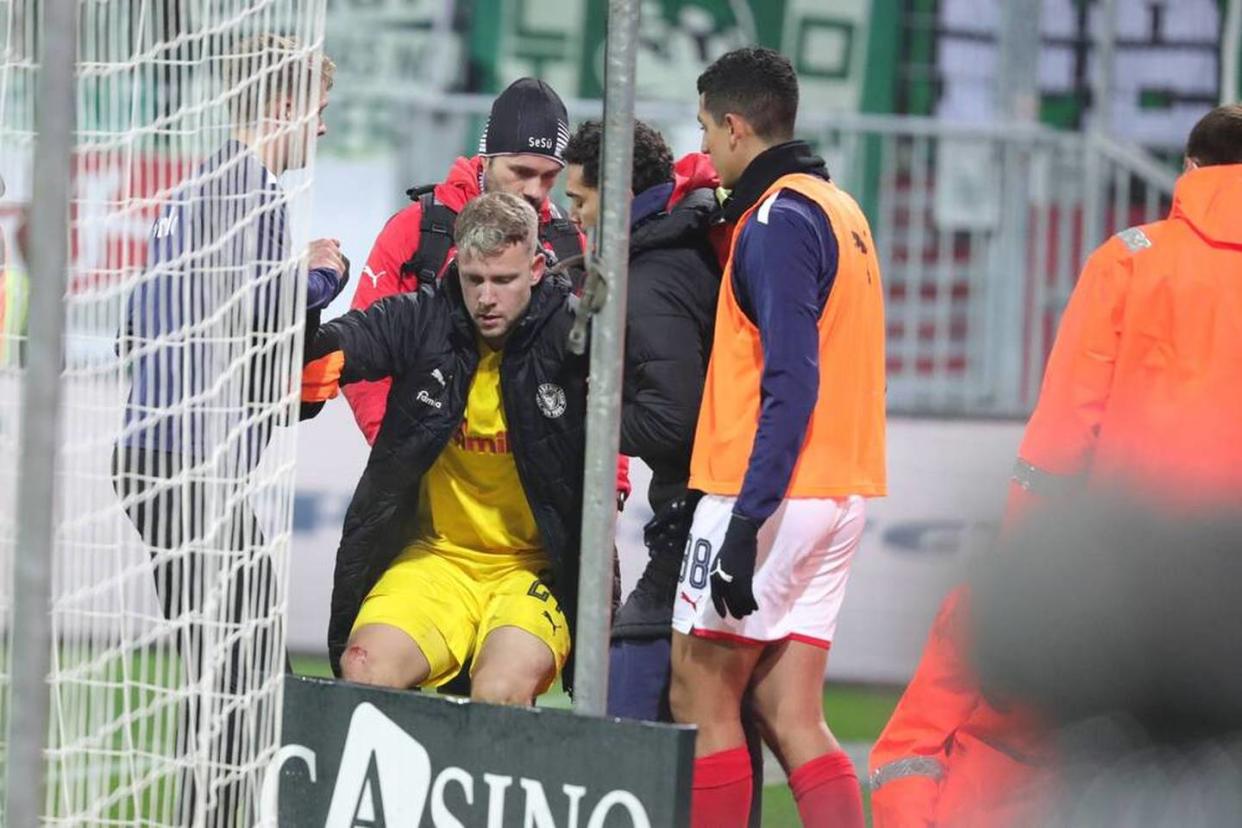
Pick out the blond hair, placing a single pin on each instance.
(282, 62)
(489, 224)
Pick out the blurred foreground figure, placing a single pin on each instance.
(1143, 391)
(1120, 626)
(951, 756)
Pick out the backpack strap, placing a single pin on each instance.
(435, 239)
(419, 190)
(561, 235)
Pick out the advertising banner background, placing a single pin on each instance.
(947, 484)
(363, 756)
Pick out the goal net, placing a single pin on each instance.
(196, 124)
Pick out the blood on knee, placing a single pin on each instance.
(355, 664)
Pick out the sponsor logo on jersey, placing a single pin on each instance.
(480, 444)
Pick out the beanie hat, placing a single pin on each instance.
(528, 118)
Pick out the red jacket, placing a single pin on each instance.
(695, 172)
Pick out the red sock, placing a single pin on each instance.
(721, 795)
(827, 793)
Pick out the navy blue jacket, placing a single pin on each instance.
(784, 264)
(209, 324)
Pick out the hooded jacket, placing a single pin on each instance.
(1142, 387)
(673, 284)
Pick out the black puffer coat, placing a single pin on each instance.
(426, 343)
(670, 316)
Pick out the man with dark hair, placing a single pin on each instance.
(1141, 394)
(653, 167)
(673, 283)
(756, 84)
(461, 543)
(1216, 140)
(789, 444)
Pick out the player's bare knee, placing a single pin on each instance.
(356, 664)
(359, 664)
(694, 703)
(791, 729)
(499, 688)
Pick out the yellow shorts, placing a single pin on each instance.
(449, 603)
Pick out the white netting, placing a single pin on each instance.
(186, 294)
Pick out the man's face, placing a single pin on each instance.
(719, 142)
(497, 289)
(302, 140)
(583, 199)
(529, 176)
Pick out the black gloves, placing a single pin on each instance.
(733, 573)
(648, 611)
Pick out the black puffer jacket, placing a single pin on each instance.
(674, 282)
(426, 343)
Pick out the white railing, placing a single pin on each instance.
(982, 229)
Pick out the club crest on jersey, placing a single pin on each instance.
(551, 400)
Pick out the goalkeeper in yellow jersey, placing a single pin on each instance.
(461, 542)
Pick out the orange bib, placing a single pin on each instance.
(843, 452)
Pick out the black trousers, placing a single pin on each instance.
(215, 583)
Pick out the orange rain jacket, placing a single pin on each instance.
(948, 757)
(1144, 384)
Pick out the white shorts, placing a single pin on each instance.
(803, 563)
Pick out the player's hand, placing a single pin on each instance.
(326, 254)
(733, 573)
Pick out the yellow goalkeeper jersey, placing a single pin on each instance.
(471, 500)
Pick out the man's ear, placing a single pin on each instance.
(1189, 164)
(737, 127)
(538, 266)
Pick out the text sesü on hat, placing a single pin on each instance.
(528, 118)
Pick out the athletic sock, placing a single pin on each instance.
(827, 793)
(721, 795)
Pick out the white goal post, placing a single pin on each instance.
(172, 516)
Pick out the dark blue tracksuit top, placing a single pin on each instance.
(784, 265)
